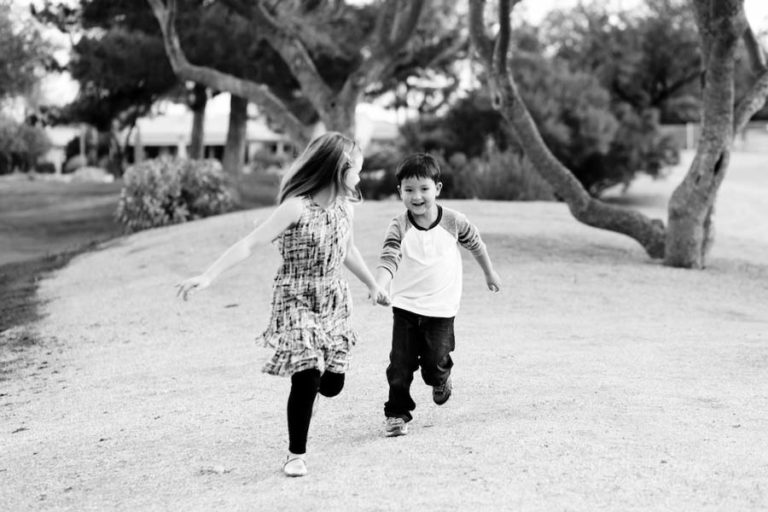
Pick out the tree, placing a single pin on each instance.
(647, 58)
(21, 145)
(333, 51)
(24, 53)
(211, 35)
(685, 241)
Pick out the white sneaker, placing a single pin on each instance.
(394, 427)
(295, 465)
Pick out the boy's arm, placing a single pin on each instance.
(492, 279)
(390, 256)
(469, 238)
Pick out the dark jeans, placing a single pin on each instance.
(417, 340)
(304, 388)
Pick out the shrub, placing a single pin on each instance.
(497, 175)
(166, 191)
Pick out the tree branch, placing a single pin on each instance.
(257, 93)
(480, 40)
(392, 34)
(755, 51)
(752, 102)
(290, 48)
(758, 92)
(649, 233)
(404, 27)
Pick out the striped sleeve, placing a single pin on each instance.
(469, 236)
(391, 254)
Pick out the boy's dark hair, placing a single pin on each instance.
(419, 165)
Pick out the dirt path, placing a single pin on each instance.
(597, 380)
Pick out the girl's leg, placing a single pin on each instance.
(304, 387)
(331, 384)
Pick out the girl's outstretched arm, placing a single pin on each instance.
(281, 219)
(356, 264)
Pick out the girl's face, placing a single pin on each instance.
(352, 176)
(419, 194)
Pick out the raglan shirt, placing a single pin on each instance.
(426, 263)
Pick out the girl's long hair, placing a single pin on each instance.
(324, 162)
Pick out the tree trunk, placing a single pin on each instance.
(649, 233)
(395, 24)
(689, 231)
(686, 241)
(234, 151)
(198, 103)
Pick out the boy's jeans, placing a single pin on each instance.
(417, 340)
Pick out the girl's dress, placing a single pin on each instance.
(311, 303)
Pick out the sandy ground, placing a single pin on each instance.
(597, 380)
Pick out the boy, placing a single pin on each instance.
(421, 261)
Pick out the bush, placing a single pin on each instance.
(496, 175)
(166, 191)
(377, 179)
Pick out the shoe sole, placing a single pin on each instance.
(396, 433)
(441, 402)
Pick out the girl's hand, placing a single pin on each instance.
(378, 296)
(193, 284)
(493, 281)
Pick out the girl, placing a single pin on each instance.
(309, 327)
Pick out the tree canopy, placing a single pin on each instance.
(24, 53)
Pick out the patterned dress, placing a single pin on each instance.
(311, 304)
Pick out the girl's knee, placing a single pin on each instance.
(331, 384)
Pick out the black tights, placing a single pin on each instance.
(304, 388)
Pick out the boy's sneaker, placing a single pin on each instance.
(441, 393)
(394, 427)
(295, 465)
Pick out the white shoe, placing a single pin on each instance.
(394, 427)
(295, 465)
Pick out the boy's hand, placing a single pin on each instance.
(378, 296)
(493, 281)
(193, 284)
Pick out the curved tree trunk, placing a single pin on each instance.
(234, 150)
(395, 23)
(649, 233)
(198, 103)
(686, 241)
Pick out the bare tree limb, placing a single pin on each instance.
(404, 26)
(752, 102)
(649, 233)
(480, 40)
(393, 33)
(290, 48)
(258, 93)
(758, 92)
(501, 48)
(755, 50)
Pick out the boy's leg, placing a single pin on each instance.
(304, 386)
(439, 342)
(403, 361)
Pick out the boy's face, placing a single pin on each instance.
(418, 194)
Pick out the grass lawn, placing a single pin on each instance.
(44, 223)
